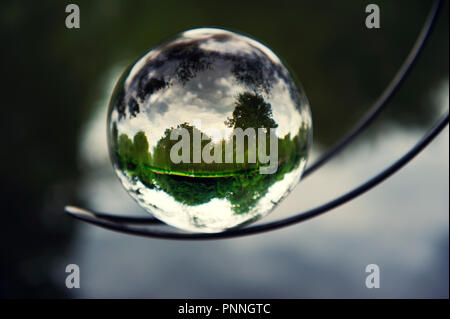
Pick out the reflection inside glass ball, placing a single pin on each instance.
(208, 131)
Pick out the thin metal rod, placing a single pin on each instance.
(314, 212)
(113, 218)
(386, 96)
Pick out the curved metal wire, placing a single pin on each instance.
(119, 223)
(96, 219)
(380, 103)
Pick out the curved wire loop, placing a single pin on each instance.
(96, 219)
(125, 224)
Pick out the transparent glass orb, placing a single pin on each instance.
(213, 84)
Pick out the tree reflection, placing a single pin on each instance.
(251, 111)
(198, 183)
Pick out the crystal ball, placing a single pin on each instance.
(208, 131)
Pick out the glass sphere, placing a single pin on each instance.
(208, 131)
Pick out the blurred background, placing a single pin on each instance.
(56, 85)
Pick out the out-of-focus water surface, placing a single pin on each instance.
(58, 83)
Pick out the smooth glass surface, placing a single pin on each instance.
(210, 82)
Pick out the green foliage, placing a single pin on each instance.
(134, 157)
(251, 111)
(192, 190)
(198, 183)
(140, 151)
(125, 151)
(242, 189)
